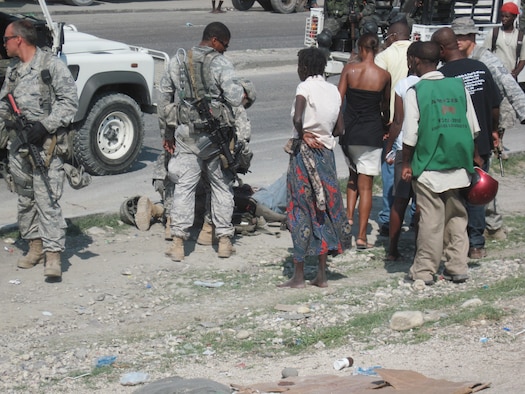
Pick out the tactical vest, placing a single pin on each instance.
(444, 137)
(199, 84)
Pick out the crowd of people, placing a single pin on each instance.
(394, 113)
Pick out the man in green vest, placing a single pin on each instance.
(438, 150)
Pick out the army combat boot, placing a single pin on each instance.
(34, 256)
(146, 211)
(225, 247)
(53, 268)
(207, 235)
(176, 251)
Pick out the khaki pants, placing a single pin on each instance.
(442, 233)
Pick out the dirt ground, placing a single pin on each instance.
(120, 296)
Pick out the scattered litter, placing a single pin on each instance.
(77, 377)
(148, 286)
(105, 360)
(343, 363)
(519, 332)
(133, 378)
(483, 340)
(370, 371)
(208, 352)
(208, 284)
(126, 273)
(46, 313)
(15, 281)
(9, 250)
(9, 241)
(189, 24)
(507, 329)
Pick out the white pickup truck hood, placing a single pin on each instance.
(76, 42)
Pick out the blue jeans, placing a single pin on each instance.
(476, 219)
(387, 177)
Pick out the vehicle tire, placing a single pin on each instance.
(79, 2)
(243, 5)
(111, 137)
(284, 6)
(266, 5)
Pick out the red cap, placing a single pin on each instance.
(511, 8)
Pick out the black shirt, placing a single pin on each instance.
(484, 93)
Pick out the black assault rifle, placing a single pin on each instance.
(219, 135)
(21, 124)
(499, 151)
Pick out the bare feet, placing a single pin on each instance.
(394, 257)
(294, 283)
(319, 283)
(217, 11)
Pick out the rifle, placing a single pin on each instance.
(219, 135)
(499, 151)
(21, 141)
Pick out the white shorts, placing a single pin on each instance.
(367, 159)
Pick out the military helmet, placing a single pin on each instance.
(128, 209)
(249, 89)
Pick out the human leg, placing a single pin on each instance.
(351, 195)
(321, 280)
(456, 242)
(364, 185)
(221, 198)
(429, 246)
(297, 280)
(397, 214)
(387, 178)
(185, 172)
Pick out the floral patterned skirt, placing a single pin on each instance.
(315, 232)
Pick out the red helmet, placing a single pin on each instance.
(482, 189)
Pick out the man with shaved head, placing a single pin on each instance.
(439, 127)
(486, 99)
(394, 60)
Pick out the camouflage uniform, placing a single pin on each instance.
(194, 151)
(507, 85)
(54, 107)
(337, 13)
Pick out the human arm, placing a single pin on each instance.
(385, 102)
(64, 105)
(310, 139)
(166, 108)
(397, 123)
(518, 69)
(339, 128)
(368, 9)
(410, 132)
(342, 86)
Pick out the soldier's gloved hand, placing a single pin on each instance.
(36, 133)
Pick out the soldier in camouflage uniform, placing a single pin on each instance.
(348, 14)
(204, 72)
(466, 31)
(165, 187)
(48, 106)
(512, 106)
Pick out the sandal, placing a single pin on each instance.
(363, 246)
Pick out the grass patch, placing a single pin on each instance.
(514, 165)
(78, 226)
